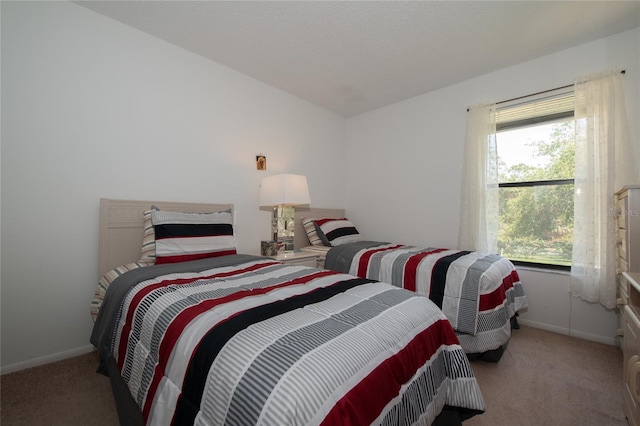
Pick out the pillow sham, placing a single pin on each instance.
(309, 226)
(323, 238)
(148, 252)
(182, 236)
(337, 231)
(105, 282)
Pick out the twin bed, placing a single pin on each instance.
(195, 333)
(480, 293)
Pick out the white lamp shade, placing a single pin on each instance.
(284, 190)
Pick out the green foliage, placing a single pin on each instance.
(536, 223)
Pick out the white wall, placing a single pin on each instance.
(405, 167)
(92, 108)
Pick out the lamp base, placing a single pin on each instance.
(285, 245)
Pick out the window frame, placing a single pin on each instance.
(529, 122)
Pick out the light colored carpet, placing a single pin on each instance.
(543, 379)
(63, 393)
(549, 379)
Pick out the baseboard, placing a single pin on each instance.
(611, 341)
(59, 356)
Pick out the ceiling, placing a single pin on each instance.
(355, 56)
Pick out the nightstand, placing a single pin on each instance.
(321, 253)
(302, 258)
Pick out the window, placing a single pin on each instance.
(603, 162)
(535, 146)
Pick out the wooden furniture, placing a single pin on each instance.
(303, 258)
(320, 252)
(631, 347)
(627, 213)
(627, 225)
(627, 216)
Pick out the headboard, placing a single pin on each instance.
(299, 234)
(122, 226)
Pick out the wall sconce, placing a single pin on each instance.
(282, 192)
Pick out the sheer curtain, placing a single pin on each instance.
(479, 199)
(604, 163)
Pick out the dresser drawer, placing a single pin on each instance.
(623, 265)
(623, 290)
(621, 243)
(622, 207)
(298, 258)
(633, 287)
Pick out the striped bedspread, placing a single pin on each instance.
(261, 342)
(478, 292)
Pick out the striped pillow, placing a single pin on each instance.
(105, 282)
(338, 231)
(181, 236)
(148, 252)
(310, 227)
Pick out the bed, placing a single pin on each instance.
(481, 294)
(228, 338)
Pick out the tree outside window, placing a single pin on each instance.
(536, 192)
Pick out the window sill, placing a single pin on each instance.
(542, 269)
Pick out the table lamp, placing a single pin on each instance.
(282, 192)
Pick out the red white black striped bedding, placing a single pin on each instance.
(478, 292)
(253, 341)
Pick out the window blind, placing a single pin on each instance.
(557, 105)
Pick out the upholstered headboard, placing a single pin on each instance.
(300, 239)
(122, 226)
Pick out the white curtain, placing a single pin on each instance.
(604, 163)
(479, 200)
